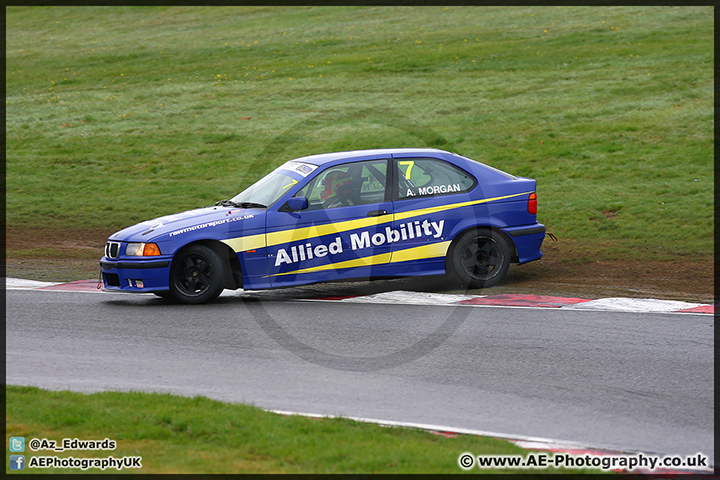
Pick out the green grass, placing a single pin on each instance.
(198, 435)
(120, 114)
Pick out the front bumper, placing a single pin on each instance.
(140, 276)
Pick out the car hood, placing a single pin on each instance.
(208, 219)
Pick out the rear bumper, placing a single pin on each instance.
(527, 239)
(525, 230)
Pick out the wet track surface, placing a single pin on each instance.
(627, 381)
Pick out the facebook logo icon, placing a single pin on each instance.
(17, 462)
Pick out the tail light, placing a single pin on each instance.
(532, 204)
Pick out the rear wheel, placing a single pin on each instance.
(197, 275)
(480, 258)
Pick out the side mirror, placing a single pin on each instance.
(297, 203)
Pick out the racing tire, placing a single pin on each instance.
(197, 275)
(479, 258)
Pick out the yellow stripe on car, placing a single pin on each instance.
(433, 250)
(442, 208)
(241, 244)
(356, 262)
(294, 235)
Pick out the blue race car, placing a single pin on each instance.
(336, 216)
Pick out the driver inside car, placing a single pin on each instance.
(338, 189)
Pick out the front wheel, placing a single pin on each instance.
(480, 258)
(196, 275)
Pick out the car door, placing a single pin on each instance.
(428, 198)
(342, 232)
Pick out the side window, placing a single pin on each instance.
(374, 176)
(357, 183)
(429, 176)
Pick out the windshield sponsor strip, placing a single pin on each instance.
(303, 169)
(282, 237)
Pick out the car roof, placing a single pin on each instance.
(323, 158)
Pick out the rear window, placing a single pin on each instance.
(420, 177)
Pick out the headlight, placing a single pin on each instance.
(142, 250)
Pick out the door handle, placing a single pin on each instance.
(377, 213)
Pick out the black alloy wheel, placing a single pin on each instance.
(196, 275)
(480, 258)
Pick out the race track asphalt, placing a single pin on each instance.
(622, 381)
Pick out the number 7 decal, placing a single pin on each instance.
(410, 164)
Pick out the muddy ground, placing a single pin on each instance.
(68, 256)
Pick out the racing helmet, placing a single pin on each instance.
(336, 182)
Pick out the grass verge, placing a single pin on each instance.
(120, 114)
(197, 435)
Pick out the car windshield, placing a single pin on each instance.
(270, 188)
